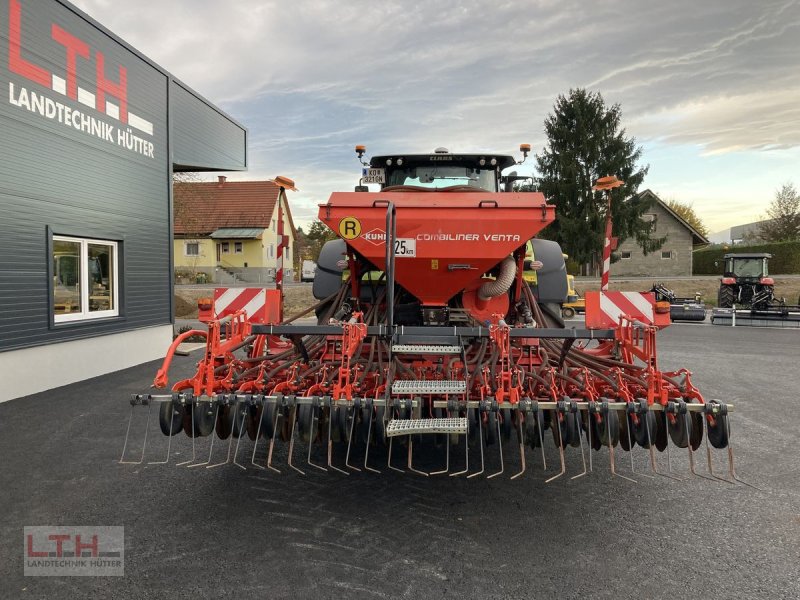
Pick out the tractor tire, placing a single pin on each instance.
(725, 297)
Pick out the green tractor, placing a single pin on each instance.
(745, 281)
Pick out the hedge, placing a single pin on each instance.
(785, 257)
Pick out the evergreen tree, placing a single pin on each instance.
(584, 143)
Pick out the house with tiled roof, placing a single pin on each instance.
(227, 231)
(674, 258)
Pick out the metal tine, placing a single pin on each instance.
(411, 458)
(191, 460)
(540, 426)
(255, 445)
(709, 458)
(731, 467)
(144, 445)
(169, 445)
(466, 452)
(583, 456)
(521, 447)
(291, 441)
(612, 458)
(314, 418)
(691, 452)
(480, 443)
(239, 439)
(500, 446)
(447, 455)
(589, 417)
(350, 443)
(211, 446)
(560, 453)
(653, 465)
(330, 442)
(372, 417)
(631, 445)
(230, 446)
(278, 415)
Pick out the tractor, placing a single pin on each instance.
(745, 281)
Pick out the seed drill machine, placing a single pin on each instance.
(438, 340)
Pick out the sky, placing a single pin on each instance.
(709, 88)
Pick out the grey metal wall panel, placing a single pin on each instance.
(204, 138)
(74, 182)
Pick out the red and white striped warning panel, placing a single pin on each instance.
(603, 309)
(252, 301)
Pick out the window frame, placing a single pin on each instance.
(85, 314)
(670, 252)
(225, 247)
(238, 247)
(186, 252)
(622, 254)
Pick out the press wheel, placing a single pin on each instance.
(224, 426)
(267, 417)
(205, 417)
(379, 433)
(505, 424)
(625, 437)
(170, 417)
(644, 432)
(533, 423)
(608, 428)
(678, 429)
(719, 432)
(661, 440)
(305, 419)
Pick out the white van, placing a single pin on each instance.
(307, 271)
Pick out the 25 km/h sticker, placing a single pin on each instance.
(349, 228)
(405, 247)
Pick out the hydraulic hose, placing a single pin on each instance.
(490, 289)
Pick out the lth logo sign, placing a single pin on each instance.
(74, 48)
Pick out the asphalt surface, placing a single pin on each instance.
(225, 533)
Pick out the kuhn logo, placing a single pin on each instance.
(375, 236)
(76, 52)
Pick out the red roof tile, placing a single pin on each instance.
(201, 208)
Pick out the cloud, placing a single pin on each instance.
(311, 78)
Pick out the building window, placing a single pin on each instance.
(85, 279)
(237, 248)
(226, 247)
(625, 254)
(192, 248)
(649, 218)
(667, 254)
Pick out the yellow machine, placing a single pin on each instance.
(574, 303)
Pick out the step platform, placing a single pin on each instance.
(425, 349)
(397, 427)
(421, 386)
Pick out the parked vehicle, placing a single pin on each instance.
(307, 271)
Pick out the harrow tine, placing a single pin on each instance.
(314, 417)
(466, 453)
(228, 459)
(291, 441)
(691, 451)
(330, 444)
(350, 443)
(369, 440)
(411, 457)
(255, 445)
(447, 460)
(709, 458)
(191, 460)
(560, 453)
(389, 458)
(480, 443)
(731, 467)
(521, 448)
(583, 456)
(166, 460)
(653, 465)
(500, 446)
(211, 446)
(278, 415)
(589, 417)
(539, 427)
(239, 439)
(144, 445)
(613, 462)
